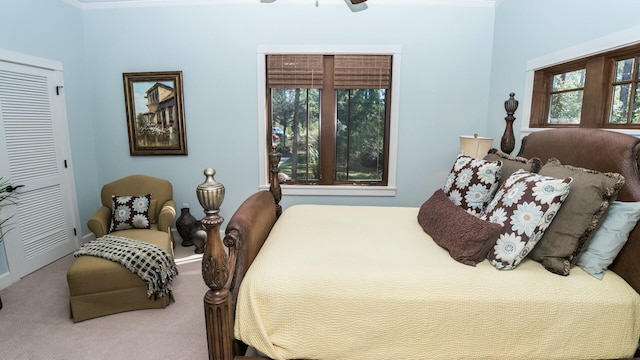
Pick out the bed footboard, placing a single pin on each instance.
(246, 232)
(223, 269)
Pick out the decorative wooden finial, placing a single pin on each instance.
(274, 169)
(508, 142)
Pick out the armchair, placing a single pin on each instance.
(162, 210)
(101, 287)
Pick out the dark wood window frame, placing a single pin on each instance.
(329, 83)
(596, 105)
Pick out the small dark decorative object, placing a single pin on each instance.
(198, 236)
(508, 139)
(184, 223)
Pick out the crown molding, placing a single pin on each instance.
(110, 4)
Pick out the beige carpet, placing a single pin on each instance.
(35, 322)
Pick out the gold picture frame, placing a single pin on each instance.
(155, 113)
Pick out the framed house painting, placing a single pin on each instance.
(155, 113)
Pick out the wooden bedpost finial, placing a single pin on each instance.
(508, 142)
(217, 270)
(274, 169)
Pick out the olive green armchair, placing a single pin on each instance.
(101, 287)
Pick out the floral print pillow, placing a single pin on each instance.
(130, 212)
(524, 205)
(472, 183)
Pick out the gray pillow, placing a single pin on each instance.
(568, 234)
(511, 164)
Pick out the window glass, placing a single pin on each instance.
(360, 134)
(296, 132)
(624, 70)
(569, 81)
(566, 108)
(566, 97)
(624, 95)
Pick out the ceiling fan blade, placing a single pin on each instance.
(355, 2)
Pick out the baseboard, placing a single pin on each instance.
(86, 238)
(5, 280)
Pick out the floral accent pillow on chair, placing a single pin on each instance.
(524, 205)
(130, 212)
(472, 183)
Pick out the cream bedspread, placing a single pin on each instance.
(347, 282)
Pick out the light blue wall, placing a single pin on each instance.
(54, 30)
(456, 74)
(446, 59)
(526, 30)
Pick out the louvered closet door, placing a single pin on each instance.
(42, 228)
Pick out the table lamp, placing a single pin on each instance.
(475, 146)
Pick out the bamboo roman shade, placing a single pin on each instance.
(350, 71)
(362, 72)
(294, 71)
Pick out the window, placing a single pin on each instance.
(330, 115)
(598, 90)
(625, 98)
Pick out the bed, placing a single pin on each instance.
(373, 283)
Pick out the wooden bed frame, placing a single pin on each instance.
(223, 270)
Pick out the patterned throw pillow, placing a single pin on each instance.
(130, 212)
(525, 205)
(472, 183)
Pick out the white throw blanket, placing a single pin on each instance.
(154, 265)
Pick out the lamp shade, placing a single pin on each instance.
(475, 146)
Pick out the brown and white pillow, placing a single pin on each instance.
(524, 205)
(130, 212)
(472, 183)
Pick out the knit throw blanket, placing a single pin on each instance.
(154, 265)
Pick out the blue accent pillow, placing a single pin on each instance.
(610, 237)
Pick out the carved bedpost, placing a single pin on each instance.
(508, 142)
(217, 271)
(274, 187)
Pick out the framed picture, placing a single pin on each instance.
(155, 113)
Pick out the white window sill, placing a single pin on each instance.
(337, 190)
